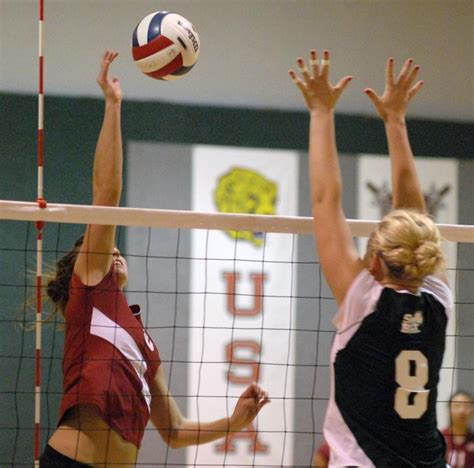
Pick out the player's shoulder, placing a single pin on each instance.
(359, 301)
(364, 284)
(438, 288)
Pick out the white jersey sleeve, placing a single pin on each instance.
(360, 300)
(440, 290)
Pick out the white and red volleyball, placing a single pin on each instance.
(165, 46)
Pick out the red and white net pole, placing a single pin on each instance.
(39, 239)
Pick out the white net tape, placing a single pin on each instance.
(83, 214)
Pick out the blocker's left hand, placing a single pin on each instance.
(252, 400)
(398, 92)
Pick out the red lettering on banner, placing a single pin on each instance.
(232, 350)
(231, 279)
(237, 354)
(249, 435)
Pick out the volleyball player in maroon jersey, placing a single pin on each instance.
(459, 436)
(393, 305)
(113, 380)
(321, 456)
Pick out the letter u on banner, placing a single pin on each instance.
(258, 279)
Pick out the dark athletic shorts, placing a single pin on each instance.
(53, 459)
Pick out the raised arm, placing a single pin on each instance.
(95, 257)
(177, 431)
(339, 260)
(392, 107)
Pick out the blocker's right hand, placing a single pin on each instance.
(110, 86)
(318, 92)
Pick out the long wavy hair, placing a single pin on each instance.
(57, 287)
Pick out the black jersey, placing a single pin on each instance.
(386, 359)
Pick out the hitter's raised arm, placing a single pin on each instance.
(95, 257)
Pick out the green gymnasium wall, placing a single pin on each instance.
(71, 129)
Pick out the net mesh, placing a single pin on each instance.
(223, 314)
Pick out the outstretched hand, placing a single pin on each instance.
(252, 400)
(318, 92)
(398, 93)
(110, 86)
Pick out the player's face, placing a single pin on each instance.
(121, 268)
(462, 409)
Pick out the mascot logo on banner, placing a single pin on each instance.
(245, 191)
(433, 198)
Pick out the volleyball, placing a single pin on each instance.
(165, 45)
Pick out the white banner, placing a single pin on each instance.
(241, 309)
(439, 182)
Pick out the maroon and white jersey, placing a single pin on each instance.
(109, 360)
(459, 455)
(324, 451)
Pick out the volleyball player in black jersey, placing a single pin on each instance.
(393, 305)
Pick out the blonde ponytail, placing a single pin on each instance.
(410, 245)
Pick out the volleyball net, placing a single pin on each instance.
(228, 299)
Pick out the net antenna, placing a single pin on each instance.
(41, 204)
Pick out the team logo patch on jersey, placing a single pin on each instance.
(412, 322)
